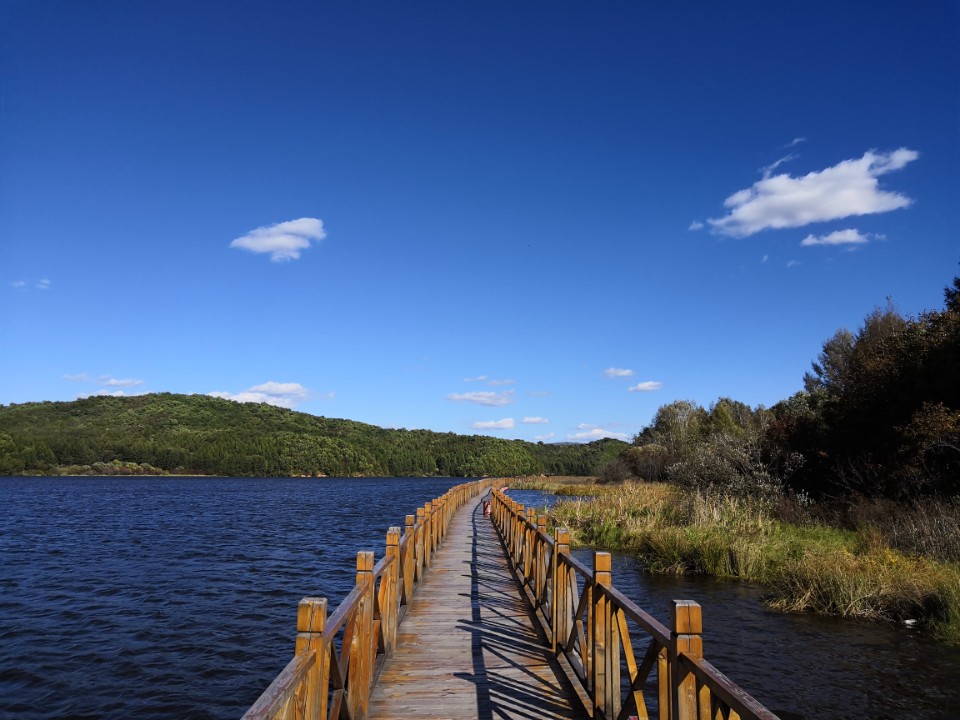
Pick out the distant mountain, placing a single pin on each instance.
(201, 435)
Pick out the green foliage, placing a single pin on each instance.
(879, 416)
(881, 412)
(202, 435)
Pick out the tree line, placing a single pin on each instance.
(878, 416)
(202, 435)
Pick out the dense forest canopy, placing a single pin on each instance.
(197, 434)
(879, 416)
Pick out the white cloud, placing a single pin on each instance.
(285, 395)
(785, 159)
(764, 258)
(495, 383)
(613, 373)
(793, 263)
(283, 241)
(535, 421)
(838, 237)
(544, 438)
(538, 393)
(596, 434)
(504, 424)
(42, 284)
(847, 189)
(696, 225)
(484, 397)
(108, 393)
(478, 378)
(647, 386)
(108, 381)
(79, 377)
(796, 141)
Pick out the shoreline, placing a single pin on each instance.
(803, 567)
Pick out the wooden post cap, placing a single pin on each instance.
(393, 536)
(365, 561)
(311, 615)
(410, 520)
(562, 536)
(602, 562)
(686, 617)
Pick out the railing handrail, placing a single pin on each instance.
(588, 630)
(650, 624)
(739, 701)
(285, 684)
(321, 678)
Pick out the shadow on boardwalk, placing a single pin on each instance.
(468, 647)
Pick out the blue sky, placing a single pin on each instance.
(524, 219)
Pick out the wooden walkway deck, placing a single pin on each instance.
(467, 647)
(440, 627)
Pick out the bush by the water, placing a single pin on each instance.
(806, 564)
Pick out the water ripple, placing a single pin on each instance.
(171, 597)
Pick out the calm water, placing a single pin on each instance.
(172, 597)
(176, 598)
(802, 666)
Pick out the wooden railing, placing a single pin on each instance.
(591, 628)
(339, 656)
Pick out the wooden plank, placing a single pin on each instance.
(467, 647)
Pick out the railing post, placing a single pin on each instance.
(427, 533)
(439, 527)
(558, 603)
(419, 541)
(410, 558)
(541, 558)
(362, 648)
(311, 623)
(518, 537)
(686, 621)
(529, 533)
(605, 660)
(393, 580)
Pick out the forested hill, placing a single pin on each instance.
(197, 434)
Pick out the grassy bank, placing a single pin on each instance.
(872, 568)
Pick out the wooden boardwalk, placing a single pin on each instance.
(467, 647)
(441, 627)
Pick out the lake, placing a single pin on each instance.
(177, 597)
(173, 597)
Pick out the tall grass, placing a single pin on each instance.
(866, 569)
